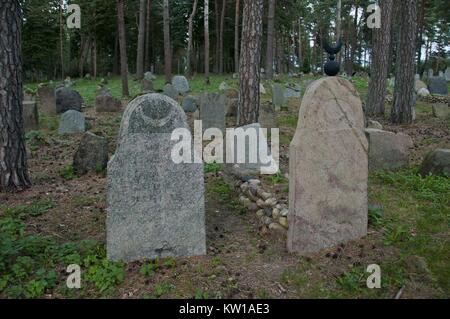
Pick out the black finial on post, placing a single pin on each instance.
(332, 67)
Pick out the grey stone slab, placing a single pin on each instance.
(72, 122)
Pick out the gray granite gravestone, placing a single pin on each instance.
(155, 206)
(72, 122)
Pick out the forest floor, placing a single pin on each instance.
(61, 221)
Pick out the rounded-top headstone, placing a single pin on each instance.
(67, 99)
(152, 113)
(181, 84)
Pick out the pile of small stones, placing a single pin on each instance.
(436, 99)
(264, 204)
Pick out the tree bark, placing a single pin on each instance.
(249, 75)
(222, 26)
(270, 39)
(147, 59)
(61, 37)
(141, 41)
(404, 94)
(13, 158)
(380, 61)
(236, 36)
(123, 48)
(206, 41)
(190, 40)
(167, 45)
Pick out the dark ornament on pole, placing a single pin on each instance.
(332, 67)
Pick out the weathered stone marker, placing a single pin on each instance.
(438, 85)
(30, 116)
(328, 168)
(278, 99)
(155, 207)
(46, 100)
(72, 122)
(213, 111)
(67, 99)
(181, 84)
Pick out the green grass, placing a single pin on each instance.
(32, 265)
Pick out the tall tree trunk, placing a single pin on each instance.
(380, 61)
(270, 39)
(94, 57)
(206, 41)
(236, 35)
(116, 59)
(123, 48)
(404, 95)
(190, 40)
(217, 46)
(222, 26)
(13, 158)
(300, 44)
(249, 75)
(61, 38)
(147, 58)
(82, 56)
(141, 41)
(167, 45)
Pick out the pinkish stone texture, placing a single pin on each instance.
(328, 169)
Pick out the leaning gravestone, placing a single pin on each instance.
(278, 99)
(72, 122)
(447, 74)
(30, 116)
(328, 168)
(46, 100)
(67, 99)
(257, 159)
(438, 85)
(181, 84)
(213, 111)
(91, 155)
(170, 91)
(155, 207)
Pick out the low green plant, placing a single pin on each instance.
(162, 289)
(212, 168)
(68, 173)
(149, 269)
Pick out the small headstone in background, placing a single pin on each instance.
(67, 99)
(170, 91)
(441, 111)
(447, 74)
(231, 107)
(30, 116)
(252, 168)
(235, 76)
(419, 85)
(224, 87)
(149, 76)
(430, 73)
(189, 104)
(374, 124)
(213, 111)
(292, 91)
(262, 89)
(417, 77)
(328, 172)
(278, 99)
(105, 102)
(441, 74)
(437, 85)
(46, 100)
(387, 150)
(68, 82)
(423, 92)
(181, 84)
(436, 163)
(147, 86)
(267, 117)
(72, 122)
(28, 97)
(155, 207)
(87, 76)
(91, 155)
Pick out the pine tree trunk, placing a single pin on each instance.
(61, 38)
(167, 45)
(13, 158)
(190, 40)
(380, 61)
(206, 41)
(404, 94)
(236, 36)
(270, 39)
(123, 48)
(249, 75)
(222, 26)
(147, 58)
(141, 41)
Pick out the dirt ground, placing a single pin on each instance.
(245, 259)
